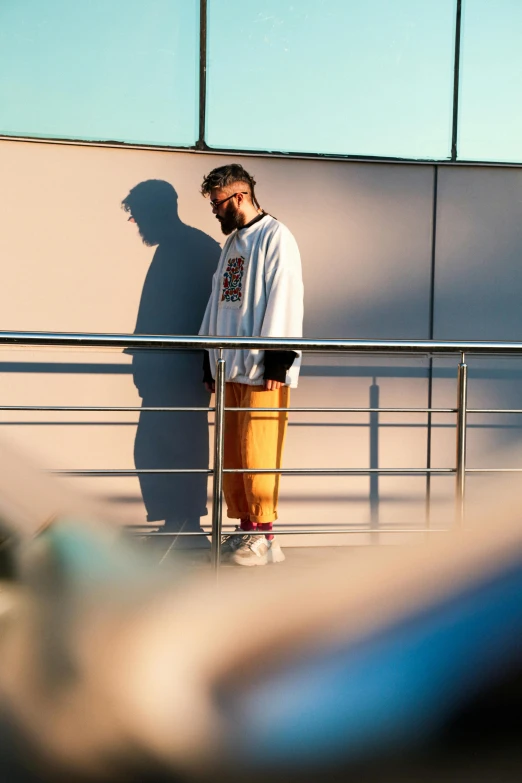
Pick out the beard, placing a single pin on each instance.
(148, 240)
(231, 219)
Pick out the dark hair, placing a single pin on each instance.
(224, 176)
(152, 197)
(154, 206)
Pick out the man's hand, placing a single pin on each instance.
(273, 385)
(210, 387)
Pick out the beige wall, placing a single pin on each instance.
(72, 262)
(478, 295)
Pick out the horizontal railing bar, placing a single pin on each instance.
(494, 410)
(340, 471)
(282, 471)
(128, 471)
(278, 532)
(99, 340)
(493, 470)
(301, 409)
(91, 408)
(350, 410)
(139, 409)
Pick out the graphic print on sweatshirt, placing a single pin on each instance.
(232, 291)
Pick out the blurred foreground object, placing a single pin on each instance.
(406, 666)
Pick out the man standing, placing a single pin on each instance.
(257, 291)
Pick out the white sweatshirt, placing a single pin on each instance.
(257, 291)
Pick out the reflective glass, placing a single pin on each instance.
(121, 70)
(361, 77)
(490, 113)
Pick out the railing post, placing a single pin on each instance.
(217, 492)
(374, 458)
(462, 404)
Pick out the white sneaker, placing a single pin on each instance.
(255, 550)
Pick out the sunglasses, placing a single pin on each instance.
(215, 204)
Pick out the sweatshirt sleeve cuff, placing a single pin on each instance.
(277, 364)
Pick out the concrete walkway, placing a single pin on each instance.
(297, 558)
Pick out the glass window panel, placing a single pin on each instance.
(120, 70)
(490, 113)
(362, 77)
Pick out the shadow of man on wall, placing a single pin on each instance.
(173, 301)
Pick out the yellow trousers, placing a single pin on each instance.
(253, 440)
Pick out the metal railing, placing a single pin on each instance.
(163, 342)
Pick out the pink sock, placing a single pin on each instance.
(264, 527)
(247, 525)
